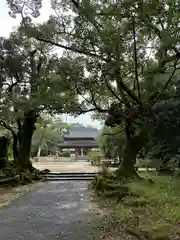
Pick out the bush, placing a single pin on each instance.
(148, 163)
(65, 154)
(100, 181)
(94, 158)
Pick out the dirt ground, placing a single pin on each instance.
(66, 166)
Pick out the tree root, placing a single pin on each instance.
(127, 175)
(10, 180)
(12, 175)
(139, 234)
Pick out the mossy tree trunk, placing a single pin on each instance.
(4, 145)
(132, 147)
(15, 147)
(25, 140)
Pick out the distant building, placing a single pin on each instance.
(79, 140)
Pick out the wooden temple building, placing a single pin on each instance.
(79, 140)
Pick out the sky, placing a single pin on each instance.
(8, 24)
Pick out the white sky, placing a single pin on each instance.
(7, 24)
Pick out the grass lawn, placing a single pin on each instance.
(152, 213)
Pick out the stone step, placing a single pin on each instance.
(57, 176)
(70, 179)
(71, 173)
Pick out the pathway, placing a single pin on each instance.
(58, 211)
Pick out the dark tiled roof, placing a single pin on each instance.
(81, 132)
(78, 144)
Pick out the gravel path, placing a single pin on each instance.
(58, 211)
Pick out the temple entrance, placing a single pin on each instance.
(82, 152)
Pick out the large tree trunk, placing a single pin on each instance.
(4, 144)
(15, 148)
(128, 160)
(26, 134)
(132, 146)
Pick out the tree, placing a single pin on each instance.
(32, 83)
(165, 140)
(48, 134)
(128, 52)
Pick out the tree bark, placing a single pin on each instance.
(25, 140)
(15, 147)
(132, 146)
(4, 144)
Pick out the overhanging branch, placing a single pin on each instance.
(110, 88)
(159, 94)
(83, 111)
(73, 49)
(92, 102)
(136, 61)
(125, 87)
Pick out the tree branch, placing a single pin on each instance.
(73, 49)
(125, 87)
(92, 20)
(159, 94)
(136, 61)
(8, 127)
(83, 111)
(110, 88)
(92, 102)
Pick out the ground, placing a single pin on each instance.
(58, 210)
(150, 211)
(57, 166)
(9, 194)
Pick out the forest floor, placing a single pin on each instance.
(152, 213)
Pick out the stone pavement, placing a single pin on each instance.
(57, 211)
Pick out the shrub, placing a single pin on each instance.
(66, 154)
(99, 181)
(148, 163)
(94, 158)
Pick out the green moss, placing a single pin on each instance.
(153, 209)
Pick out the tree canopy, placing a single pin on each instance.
(122, 58)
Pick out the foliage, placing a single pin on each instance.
(99, 181)
(65, 154)
(127, 53)
(95, 157)
(48, 134)
(148, 163)
(164, 141)
(120, 58)
(25, 8)
(32, 83)
(111, 142)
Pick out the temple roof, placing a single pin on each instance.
(81, 132)
(78, 144)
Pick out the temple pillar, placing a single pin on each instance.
(82, 152)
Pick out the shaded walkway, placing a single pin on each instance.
(58, 211)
